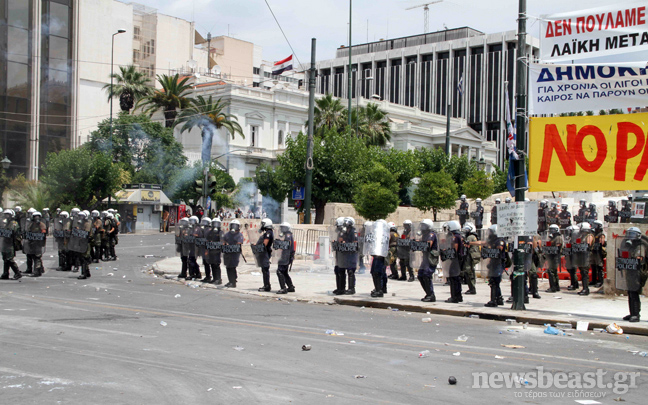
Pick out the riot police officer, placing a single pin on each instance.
(582, 211)
(613, 213)
(472, 257)
(542, 216)
(564, 217)
(232, 252)
(493, 254)
(631, 263)
(581, 250)
(592, 215)
(97, 231)
(570, 237)
(34, 242)
(553, 252)
(266, 240)
(494, 211)
(213, 249)
(403, 251)
(451, 258)
(599, 253)
(393, 245)
(626, 211)
(463, 210)
(427, 248)
(552, 214)
(478, 214)
(284, 249)
(9, 239)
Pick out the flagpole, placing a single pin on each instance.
(520, 91)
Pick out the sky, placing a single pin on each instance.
(327, 20)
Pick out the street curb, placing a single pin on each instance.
(628, 329)
(519, 316)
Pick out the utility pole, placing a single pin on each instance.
(350, 73)
(448, 109)
(209, 49)
(312, 75)
(520, 92)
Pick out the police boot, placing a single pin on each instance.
(216, 274)
(426, 283)
(30, 264)
(5, 273)
(393, 273)
(403, 276)
(112, 253)
(500, 300)
(282, 281)
(352, 282)
(340, 281)
(636, 309)
(599, 277)
(183, 270)
(533, 287)
(207, 278)
(231, 277)
(493, 298)
(574, 280)
(631, 307)
(552, 287)
(411, 276)
(85, 273)
(585, 280)
(471, 287)
(453, 291)
(378, 285)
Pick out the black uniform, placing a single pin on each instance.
(494, 215)
(478, 216)
(463, 212)
(564, 219)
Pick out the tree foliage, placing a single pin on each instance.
(435, 191)
(81, 177)
(479, 185)
(174, 95)
(145, 148)
(378, 197)
(129, 85)
(182, 185)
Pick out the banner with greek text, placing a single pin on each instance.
(607, 30)
(555, 89)
(607, 152)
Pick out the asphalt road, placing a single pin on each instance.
(103, 341)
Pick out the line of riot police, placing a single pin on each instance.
(207, 241)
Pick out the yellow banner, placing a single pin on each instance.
(607, 152)
(150, 195)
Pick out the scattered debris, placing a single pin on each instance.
(424, 353)
(499, 357)
(513, 346)
(511, 321)
(306, 348)
(619, 399)
(426, 320)
(209, 388)
(461, 338)
(163, 323)
(237, 387)
(360, 376)
(456, 354)
(550, 330)
(178, 295)
(474, 316)
(352, 341)
(238, 348)
(110, 274)
(614, 329)
(452, 380)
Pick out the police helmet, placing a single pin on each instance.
(478, 201)
(507, 200)
(454, 226)
(266, 223)
(235, 225)
(463, 197)
(633, 233)
(285, 227)
(426, 225)
(205, 221)
(64, 214)
(216, 223)
(553, 229)
(497, 201)
(348, 221)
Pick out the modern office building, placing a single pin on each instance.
(425, 72)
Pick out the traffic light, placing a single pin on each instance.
(198, 184)
(211, 184)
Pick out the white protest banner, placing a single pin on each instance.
(518, 218)
(608, 30)
(555, 89)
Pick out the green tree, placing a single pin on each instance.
(182, 185)
(499, 178)
(374, 125)
(403, 164)
(35, 195)
(329, 114)
(131, 85)
(145, 148)
(174, 95)
(431, 159)
(479, 185)
(379, 196)
(435, 191)
(461, 169)
(340, 164)
(81, 177)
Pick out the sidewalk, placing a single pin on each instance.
(314, 284)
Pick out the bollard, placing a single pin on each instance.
(518, 280)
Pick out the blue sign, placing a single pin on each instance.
(298, 193)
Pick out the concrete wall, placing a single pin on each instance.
(235, 57)
(174, 43)
(618, 229)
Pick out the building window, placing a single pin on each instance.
(136, 33)
(256, 70)
(254, 133)
(255, 84)
(280, 138)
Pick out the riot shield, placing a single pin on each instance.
(526, 244)
(628, 265)
(376, 239)
(612, 216)
(188, 241)
(199, 240)
(568, 236)
(79, 234)
(448, 255)
(334, 234)
(213, 242)
(552, 250)
(6, 236)
(283, 248)
(34, 238)
(404, 241)
(178, 238)
(491, 262)
(580, 249)
(361, 239)
(259, 250)
(231, 248)
(59, 233)
(347, 248)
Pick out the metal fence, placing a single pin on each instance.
(308, 240)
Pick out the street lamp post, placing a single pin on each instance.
(368, 79)
(112, 59)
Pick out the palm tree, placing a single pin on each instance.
(374, 126)
(173, 95)
(208, 115)
(131, 86)
(329, 114)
